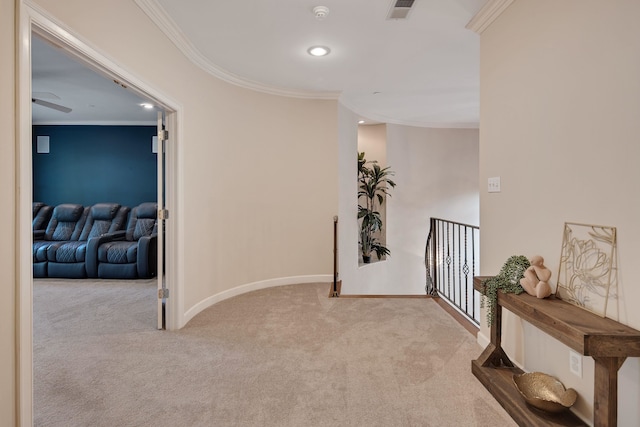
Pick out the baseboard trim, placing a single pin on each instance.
(482, 340)
(384, 296)
(250, 287)
(463, 321)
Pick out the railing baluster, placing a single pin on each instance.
(459, 270)
(448, 260)
(434, 257)
(475, 296)
(451, 247)
(465, 270)
(440, 259)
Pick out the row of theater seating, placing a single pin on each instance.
(105, 240)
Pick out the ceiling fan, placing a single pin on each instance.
(36, 99)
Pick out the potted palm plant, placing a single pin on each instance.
(374, 183)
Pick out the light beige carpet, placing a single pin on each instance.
(286, 356)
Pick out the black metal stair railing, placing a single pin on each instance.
(452, 259)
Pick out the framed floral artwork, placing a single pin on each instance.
(588, 266)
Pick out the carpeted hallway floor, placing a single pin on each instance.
(286, 356)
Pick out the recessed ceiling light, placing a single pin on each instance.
(147, 106)
(318, 50)
(360, 122)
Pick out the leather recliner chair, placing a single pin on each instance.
(66, 224)
(68, 259)
(131, 254)
(41, 215)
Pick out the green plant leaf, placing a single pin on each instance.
(373, 184)
(507, 281)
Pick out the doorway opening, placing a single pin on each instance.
(101, 165)
(33, 24)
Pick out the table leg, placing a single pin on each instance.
(605, 391)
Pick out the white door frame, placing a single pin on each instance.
(32, 19)
(160, 156)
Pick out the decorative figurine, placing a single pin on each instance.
(536, 278)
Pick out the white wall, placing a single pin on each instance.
(348, 205)
(436, 176)
(372, 139)
(560, 103)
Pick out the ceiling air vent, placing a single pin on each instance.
(400, 9)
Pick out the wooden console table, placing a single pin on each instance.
(608, 342)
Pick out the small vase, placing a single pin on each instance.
(366, 259)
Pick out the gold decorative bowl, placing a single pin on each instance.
(544, 392)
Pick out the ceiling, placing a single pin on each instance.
(422, 70)
(58, 78)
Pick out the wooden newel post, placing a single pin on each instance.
(335, 292)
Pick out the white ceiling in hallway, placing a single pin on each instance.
(423, 70)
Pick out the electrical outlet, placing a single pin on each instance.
(575, 363)
(494, 184)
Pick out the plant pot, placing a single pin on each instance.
(366, 259)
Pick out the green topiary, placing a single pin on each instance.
(507, 281)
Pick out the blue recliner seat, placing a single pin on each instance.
(68, 259)
(66, 224)
(132, 254)
(41, 215)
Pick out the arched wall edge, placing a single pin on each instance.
(254, 286)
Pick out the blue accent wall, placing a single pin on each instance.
(92, 164)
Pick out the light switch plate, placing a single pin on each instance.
(494, 184)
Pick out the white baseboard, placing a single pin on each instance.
(482, 339)
(249, 287)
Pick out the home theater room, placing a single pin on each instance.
(95, 180)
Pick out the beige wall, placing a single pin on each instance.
(560, 109)
(258, 172)
(7, 217)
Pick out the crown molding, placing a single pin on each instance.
(379, 118)
(489, 13)
(164, 22)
